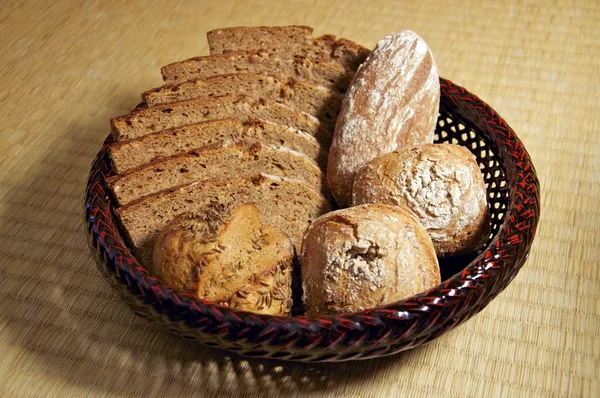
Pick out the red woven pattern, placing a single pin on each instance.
(514, 204)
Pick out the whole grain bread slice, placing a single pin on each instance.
(288, 205)
(144, 121)
(315, 100)
(288, 40)
(231, 161)
(129, 154)
(322, 73)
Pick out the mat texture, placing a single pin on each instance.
(67, 67)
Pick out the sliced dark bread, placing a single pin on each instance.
(288, 40)
(288, 205)
(322, 73)
(144, 121)
(315, 100)
(126, 155)
(231, 161)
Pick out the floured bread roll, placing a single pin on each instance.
(225, 255)
(392, 102)
(440, 184)
(363, 257)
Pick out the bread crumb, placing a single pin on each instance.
(361, 261)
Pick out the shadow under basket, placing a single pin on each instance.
(469, 283)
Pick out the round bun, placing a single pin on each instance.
(440, 184)
(226, 255)
(363, 257)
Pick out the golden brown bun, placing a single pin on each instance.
(440, 184)
(392, 101)
(224, 255)
(363, 257)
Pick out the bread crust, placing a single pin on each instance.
(440, 184)
(392, 101)
(363, 257)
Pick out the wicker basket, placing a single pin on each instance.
(469, 284)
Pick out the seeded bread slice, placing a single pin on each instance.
(227, 256)
(126, 155)
(315, 100)
(288, 40)
(322, 73)
(286, 204)
(143, 121)
(236, 160)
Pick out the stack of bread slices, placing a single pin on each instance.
(252, 122)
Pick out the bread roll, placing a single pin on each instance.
(440, 184)
(392, 101)
(224, 255)
(363, 257)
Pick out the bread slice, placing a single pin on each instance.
(258, 37)
(227, 256)
(288, 40)
(144, 121)
(318, 101)
(126, 155)
(322, 73)
(286, 204)
(236, 160)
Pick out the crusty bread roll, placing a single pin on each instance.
(440, 184)
(363, 257)
(224, 255)
(392, 101)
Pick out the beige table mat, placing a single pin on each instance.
(67, 67)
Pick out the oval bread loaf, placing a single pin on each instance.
(225, 255)
(363, 257)
(392, 101)
(440, 184)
